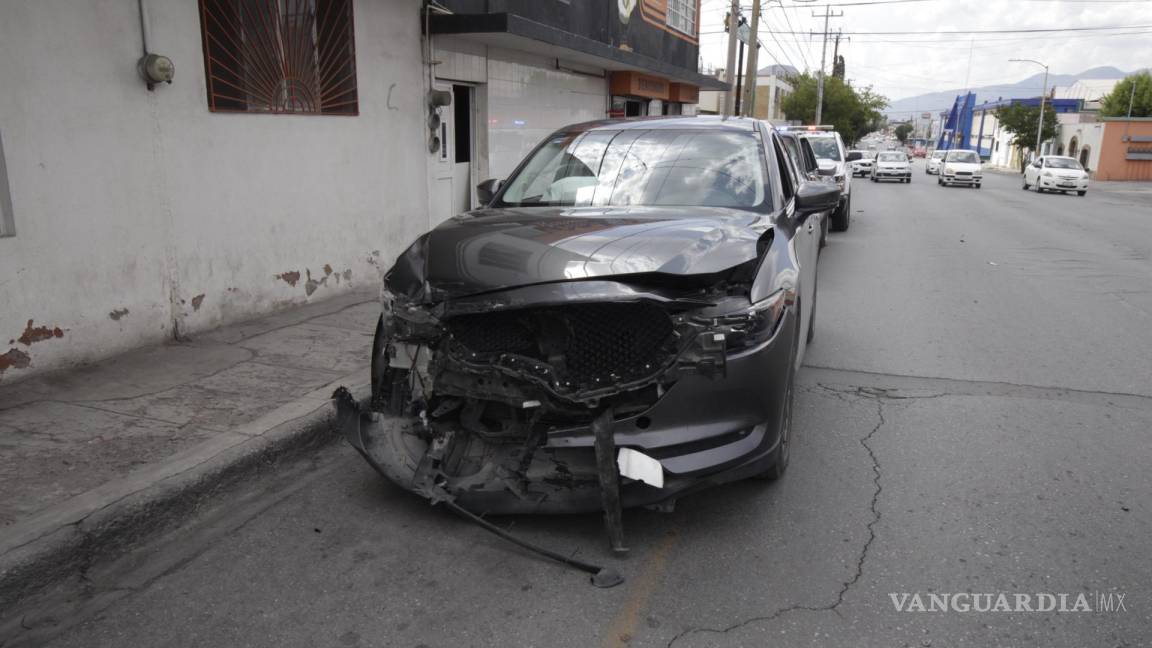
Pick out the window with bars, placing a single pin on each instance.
(682, 16)
(280, 56)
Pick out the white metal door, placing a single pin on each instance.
(441, 167)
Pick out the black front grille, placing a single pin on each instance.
(584, 344)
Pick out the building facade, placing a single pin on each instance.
(994, 142)
(772, 87)
(298, 148)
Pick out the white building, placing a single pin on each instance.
(771, 89)
(292, 156)
(1089, 91)
(140, 215)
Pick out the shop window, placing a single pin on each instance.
(682, 16)
(280, 56)
(7, 223)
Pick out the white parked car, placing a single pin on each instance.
(862, 166)
(892, 165)
(1056, 173)
(932, 166)
(962, 167)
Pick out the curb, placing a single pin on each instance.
(67, 539)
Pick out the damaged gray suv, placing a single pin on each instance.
(619, 325)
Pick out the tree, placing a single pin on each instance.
(1115, 103)
(903, 131)
(852, 113)
(1021, 121)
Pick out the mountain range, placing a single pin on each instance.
(1029, 87)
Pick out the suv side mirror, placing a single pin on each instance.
(815, 197)
(853, 156)
(486, 191)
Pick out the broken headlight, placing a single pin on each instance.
(754, 325)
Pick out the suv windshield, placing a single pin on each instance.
(1062, 163)
(825, 147)
(643, 167)
(965, 157)
(892, 157)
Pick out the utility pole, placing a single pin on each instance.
(823, 54)
(739, 76)
(1131, 100)
(730, 68)
(753, 50)
(836, 55)
(1043, 95)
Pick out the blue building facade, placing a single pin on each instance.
(983, 124)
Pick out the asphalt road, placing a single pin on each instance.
(974, 417)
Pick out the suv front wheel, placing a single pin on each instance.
(841, 215)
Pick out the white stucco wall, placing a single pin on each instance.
(528, 99)
(1087, 133)
(138, 201)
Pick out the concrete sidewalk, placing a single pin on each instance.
(101, 456)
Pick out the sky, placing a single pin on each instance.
(931, 60)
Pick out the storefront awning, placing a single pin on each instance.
(516, 32)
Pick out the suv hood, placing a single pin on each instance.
(494, 249)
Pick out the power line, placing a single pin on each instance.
(991, 31)
(799, 49)
(937, 41)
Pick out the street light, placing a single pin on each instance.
(1043, 94)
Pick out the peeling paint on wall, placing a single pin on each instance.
(117, 314)
(32, 335)
(197, 300)
(348, 274)
(327, 269)
(311, 285)
(14, 359)
(290, 278)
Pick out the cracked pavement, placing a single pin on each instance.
(960, 427)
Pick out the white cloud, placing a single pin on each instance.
(937, 61)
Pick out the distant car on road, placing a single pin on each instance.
(932, 167)
(1056, 173)
(892, 165)
(863, 165)
(961, 166)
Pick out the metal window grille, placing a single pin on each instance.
(682, 16)
(280, 56)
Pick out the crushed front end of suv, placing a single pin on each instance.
(624, 316)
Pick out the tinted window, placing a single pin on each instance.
(825, 147)
(644, 167)
(787, 176)
(793, 152)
